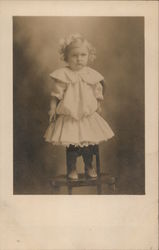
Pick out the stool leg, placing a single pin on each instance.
(99, 188)
(114, 188)
(67, 162)
(69, 189)
(97, 161)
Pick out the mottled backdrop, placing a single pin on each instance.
(119, 42)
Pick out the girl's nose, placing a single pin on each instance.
(79, 58)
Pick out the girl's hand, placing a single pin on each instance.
(99, 109)
(52, 116)
(52, 111)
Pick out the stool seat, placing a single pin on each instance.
(102, 178)
(63, 180)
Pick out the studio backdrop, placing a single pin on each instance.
(119, 43)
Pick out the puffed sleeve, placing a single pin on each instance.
(58, 89)
(98, 91)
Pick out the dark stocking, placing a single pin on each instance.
(87, 154)
(71, 157)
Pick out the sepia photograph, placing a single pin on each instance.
(78, 102)
(79, 125)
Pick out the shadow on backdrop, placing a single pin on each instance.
(119, 42)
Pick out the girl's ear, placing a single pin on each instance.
(91, 58)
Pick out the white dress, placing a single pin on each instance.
(77, 121)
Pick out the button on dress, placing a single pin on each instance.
(77, 121)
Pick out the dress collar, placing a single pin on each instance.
(67, 75)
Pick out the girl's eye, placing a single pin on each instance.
(75, 55)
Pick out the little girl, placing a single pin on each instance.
(75, 104)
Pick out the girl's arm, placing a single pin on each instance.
(99, 96)
(103, 86)
(99, 109)
(53, 105)
(57, 94)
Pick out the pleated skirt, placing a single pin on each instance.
(89, 130)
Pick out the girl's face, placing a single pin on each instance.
(77, 57)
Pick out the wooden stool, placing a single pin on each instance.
(102, 178)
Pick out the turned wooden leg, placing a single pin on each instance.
(99, 188)
(97, 160)
(69, 189)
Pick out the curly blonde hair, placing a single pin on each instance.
(65, 45)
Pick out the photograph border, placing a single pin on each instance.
(64, 222)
